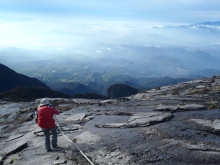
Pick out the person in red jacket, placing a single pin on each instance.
(46, 121)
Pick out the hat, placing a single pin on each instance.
(44, 102)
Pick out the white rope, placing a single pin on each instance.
(73, 143)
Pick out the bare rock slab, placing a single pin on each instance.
(83, 138)
(116, 157)
(76, 118)
(145, 119)
(58, 162)
(14, 148)
(186, 107)
(202, 147)
(213, 125)
(140, 120)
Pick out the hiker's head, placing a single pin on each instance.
(44, 102)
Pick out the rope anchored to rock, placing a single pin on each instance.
(72, 142)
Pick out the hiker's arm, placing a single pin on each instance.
(55, 111)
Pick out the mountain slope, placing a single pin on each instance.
(120, 90)
(31, 93)
(72, 88)
(10, 79)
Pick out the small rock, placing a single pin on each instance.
(206, 123)
(1, 159)
(58, 162)
(2, 136)
(89, 118)
(66, 129)
(201, 147)
(123, 99)
(216, 125)
(200, 86)
(39, 133)
(165, 108)
(75, 127)
(8, 161)
(115, 125)
(191, 107)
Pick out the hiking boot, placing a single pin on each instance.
(48, 150)
(57, 148)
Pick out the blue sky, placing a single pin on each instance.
(55, 25)
(144, 10)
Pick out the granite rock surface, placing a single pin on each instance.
(177, 124)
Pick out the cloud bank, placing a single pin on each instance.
(63, 26)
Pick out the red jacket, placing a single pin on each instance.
(45, 117)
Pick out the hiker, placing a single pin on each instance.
(46, 121)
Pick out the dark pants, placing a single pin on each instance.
(47, 137)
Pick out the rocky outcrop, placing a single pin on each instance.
(11, 79)
(140, 120)
(185, 107)
(176, 124)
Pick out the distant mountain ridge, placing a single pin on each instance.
(217, 23)
(10, 79)
(210, 26)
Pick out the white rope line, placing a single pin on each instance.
(73, 143)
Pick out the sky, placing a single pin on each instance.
(61, 26)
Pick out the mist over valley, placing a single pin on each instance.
(98, 66)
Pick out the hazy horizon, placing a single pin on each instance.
(80, 27)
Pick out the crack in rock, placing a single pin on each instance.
(14, 137)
